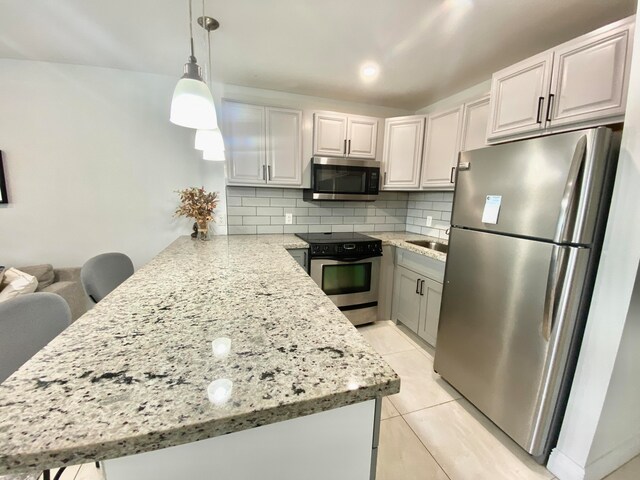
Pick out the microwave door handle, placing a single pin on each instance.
(569, 196)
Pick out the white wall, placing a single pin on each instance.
(92, 163)
(601, 428)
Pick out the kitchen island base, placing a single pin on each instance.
(337, 444)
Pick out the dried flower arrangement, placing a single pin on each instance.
(198, 204)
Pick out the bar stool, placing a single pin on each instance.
(103, 273)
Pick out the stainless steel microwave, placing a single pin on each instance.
(343, 179)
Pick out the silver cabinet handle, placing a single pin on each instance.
(384, 183)
(418, 286)
(568, 202)
(264, 172)
(422, 288)
(349, 147)
(344, 148)
(269, 173)
(453, 170)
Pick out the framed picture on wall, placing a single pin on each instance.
(3, 185)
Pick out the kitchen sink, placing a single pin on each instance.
(437, 246)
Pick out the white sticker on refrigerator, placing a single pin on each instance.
(491, 209)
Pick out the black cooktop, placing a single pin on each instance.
(346, 237)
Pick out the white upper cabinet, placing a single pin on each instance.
(402, 154)
(591, 76)
(581, 83)
(284, 146)
(264, 145)
(244, 135)
(362, 136)
(339, 134)
(474, 124)
(329, 134)
(518, 96)
(441, 147)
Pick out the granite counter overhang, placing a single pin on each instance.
(131, 375)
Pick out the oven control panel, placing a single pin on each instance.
(357, 249)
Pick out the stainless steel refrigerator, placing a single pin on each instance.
(526, 230)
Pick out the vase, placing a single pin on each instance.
(203, 229)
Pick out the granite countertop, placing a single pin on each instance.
(399, 239)
(131, 375)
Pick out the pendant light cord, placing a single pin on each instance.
(191, 30)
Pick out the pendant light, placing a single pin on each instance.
(192, 104)
(210, 141)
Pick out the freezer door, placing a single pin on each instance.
(550, 188)
(508, 315)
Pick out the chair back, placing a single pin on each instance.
(103, 273)
(27, 323)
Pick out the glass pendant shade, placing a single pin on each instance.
(216, 155)
(209, 140)
(192, 105)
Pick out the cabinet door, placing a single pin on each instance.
(406, 298)
(441, 148)
(362, 135)
(284, 146)
(244, 127)
(590, 76)
(401, 158)
(431, 292)
(474, 124)
(329, 134)
(518, 96)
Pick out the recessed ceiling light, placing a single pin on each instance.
(369, 71)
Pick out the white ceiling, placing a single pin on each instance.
(426, 49)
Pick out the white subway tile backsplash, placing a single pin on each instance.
(342, 228)
(255, 202)
(231, 211)
(268, 211)
(237, 230)
(283, 202)
(296, 229)
(262, 210)
(241, 192)
(270, 229)
(256, 221)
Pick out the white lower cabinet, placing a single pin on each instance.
(417, 292)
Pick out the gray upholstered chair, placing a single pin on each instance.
(103, 273)
(27, 324)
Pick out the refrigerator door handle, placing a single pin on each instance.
(556, 267)
(569, 196)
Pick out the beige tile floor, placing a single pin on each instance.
(429, 432)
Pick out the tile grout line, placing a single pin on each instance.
(425, 446)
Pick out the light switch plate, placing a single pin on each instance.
(429, 221)
(288, 218)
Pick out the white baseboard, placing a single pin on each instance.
(614, 459)
(564, 468)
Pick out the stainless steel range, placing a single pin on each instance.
(347, 267)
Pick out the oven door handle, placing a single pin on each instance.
(348, 259)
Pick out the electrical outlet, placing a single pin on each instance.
(288, 218)
(429, 221)
(220, 220)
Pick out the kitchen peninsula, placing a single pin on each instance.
(128, 381)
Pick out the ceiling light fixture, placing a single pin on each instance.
(210, 141)
(369, 71)
(192, 104)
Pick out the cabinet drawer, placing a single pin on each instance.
(427, 266)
